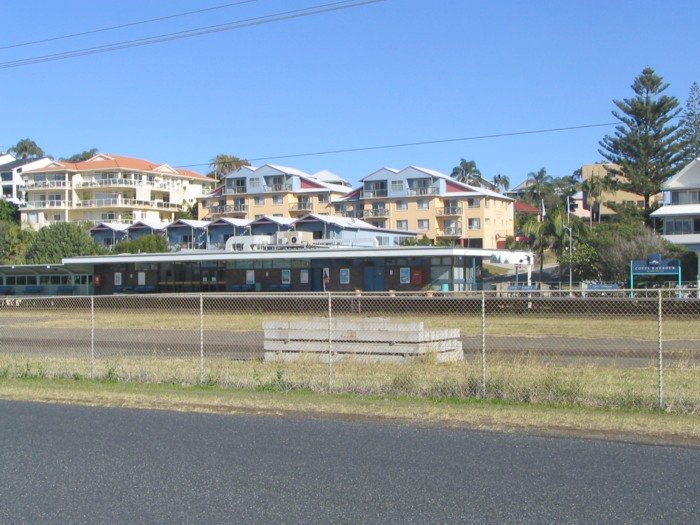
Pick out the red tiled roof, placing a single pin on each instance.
(103, 161)
(524, 207)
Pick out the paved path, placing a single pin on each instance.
(75, 342)
(62, 464)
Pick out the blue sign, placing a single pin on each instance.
(656, 265)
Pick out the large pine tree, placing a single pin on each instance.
(645, 145)
(690, 125)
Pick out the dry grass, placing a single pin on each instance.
(527, 380)
(593, 326)
(640, 426)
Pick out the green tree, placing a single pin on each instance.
(188, 211)
(9, 211)
(85, 155)
(645, 145)
(501, 182)
(26, 149)
(144, 244)
(620, 241)
(690, 125)
(584, 261)
(14, 242)
(59, 240)
(539, 185)
(222, 165)
(466, 172)
(594, 188)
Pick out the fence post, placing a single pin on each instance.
(483, 344)
(201, 339)
(330, 345)
(92, 337)
(661, 352)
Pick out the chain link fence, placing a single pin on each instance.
(625, 348)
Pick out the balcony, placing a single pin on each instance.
(450, 231)
(278, 187)
(449, 211)
(126, 203)
(109, 183)
(230, 210)
(354, 214)
(235, 190)
(46, 184)
(373, 194)
(429, 190)
(376, 213)
(306, 207)
(47, 204)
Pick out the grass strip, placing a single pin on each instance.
(647, 426)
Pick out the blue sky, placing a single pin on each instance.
(392, 72)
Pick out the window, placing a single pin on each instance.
(6, 176)
(259, 200)
(323, 198)
(487, 202)
(401, 205)
(423, 225)
(423, 204)
(396, 185)
(474, 224)
(277, 199)
(473, 202)
(254, 182)
(402, 225)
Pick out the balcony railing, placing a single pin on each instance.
(126, 203)
(230, 208)
(449, 210)
(106, 183)
(373, 194)
(47, 204)
(450, 231)
(278, 187)
(301, 206)
(354, 214)
(376, 212)
(46, 184)
(430, 190)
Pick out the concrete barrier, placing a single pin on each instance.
(365, 340)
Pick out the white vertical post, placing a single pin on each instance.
(92, 337)
(201, 339)
(483, 344)
(330, 345)
(661, 353)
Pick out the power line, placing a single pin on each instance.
(129, 24)
(228, 26)
(420, 143)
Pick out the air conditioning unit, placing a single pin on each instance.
(294, 238)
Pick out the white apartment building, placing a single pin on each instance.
(108, 188)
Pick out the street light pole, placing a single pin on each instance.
(571, 292)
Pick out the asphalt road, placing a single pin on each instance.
(69, 464)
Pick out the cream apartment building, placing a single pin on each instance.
(621, 197)
(274, 191)
(433, 204)
(109, 188)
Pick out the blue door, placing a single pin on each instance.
(374, 279)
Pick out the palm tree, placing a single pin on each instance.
(594, 188)
(466, 172)
(85, 155)
(539, 184)
(223, 164)
(501, 182)
(26, 148)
